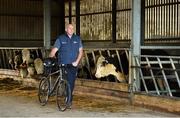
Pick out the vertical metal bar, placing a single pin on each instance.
(146, 20)
(153, 78)
(136, 33)
(172, 20)
(6, 59)
(161, 19)
(94, 57)
(164, 76)
(127, 55)
(87, 60)
(175, 72)
(174, 17)
(155, 30)
(130, 78)
(114, 17)
(149, 20)
(78, 17)
(119, 59)
(178, 5)
(47, 23)
(61, 4)
(169, 24)
(141, 75)
(165, 19)
(36, 50)
(108, 51)
(125, 22)
(129, 21)
(3, 59)
(156, 15)
(142, 22)
(70, 12)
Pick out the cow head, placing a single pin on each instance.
(103, 69)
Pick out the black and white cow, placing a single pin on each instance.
(110, 66)
(90, 65)
(104, 69)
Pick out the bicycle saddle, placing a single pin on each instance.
(49, 62)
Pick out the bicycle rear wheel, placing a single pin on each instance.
(43, 91)
(63, 94)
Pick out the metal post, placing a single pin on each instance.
(137, 36)
(78, 17)
(61, 4)
(114, 21)
(47, 24)
(70, 12)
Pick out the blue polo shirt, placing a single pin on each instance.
(68, 48)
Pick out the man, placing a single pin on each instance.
(70, 51)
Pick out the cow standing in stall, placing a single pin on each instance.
(104, 69)
(104, 65)
(110, 66)
(24, 62)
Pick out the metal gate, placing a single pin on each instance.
(158, 75)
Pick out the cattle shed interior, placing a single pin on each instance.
(109, 21)
(143, 35)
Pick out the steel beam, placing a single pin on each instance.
(47, 23)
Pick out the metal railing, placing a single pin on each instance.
(159, 74)
(90, 58)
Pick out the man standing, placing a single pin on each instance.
(70, 51)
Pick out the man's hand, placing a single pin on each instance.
(75, 64)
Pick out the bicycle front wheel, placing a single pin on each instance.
(63, 94)
(43, 91)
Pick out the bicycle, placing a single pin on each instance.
(61, 85)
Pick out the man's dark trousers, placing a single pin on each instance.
(71, 77)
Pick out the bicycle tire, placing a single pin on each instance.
(63, 95)
(43, 91)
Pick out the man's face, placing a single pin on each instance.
(70, 29)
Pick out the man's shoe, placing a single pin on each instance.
(69, 107)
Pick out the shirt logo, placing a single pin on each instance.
(75, 42)
(64, 42)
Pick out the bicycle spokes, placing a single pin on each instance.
(43, 91)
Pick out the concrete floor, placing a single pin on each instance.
(19, 101)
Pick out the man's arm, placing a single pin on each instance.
(53, 52)
(80, 55)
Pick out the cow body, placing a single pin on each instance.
(89, 68)
(104, 69)
(39, 67)
(107, 66)
(25, 56)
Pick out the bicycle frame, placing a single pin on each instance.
(59, 78)
(59, 87)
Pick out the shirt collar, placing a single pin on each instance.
(68, 35)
